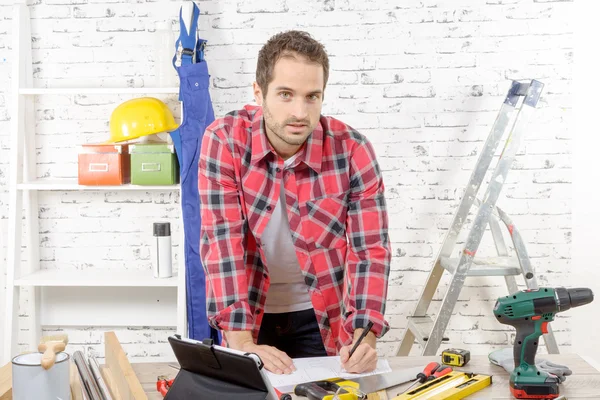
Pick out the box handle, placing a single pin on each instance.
(98, 167)
(150, 167)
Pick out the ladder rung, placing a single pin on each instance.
(492, 266)
(421, 327)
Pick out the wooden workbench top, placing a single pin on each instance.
(583, 384)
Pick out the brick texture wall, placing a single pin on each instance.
(422, 79)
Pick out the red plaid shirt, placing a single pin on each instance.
(337, 214)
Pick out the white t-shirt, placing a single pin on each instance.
(287, 292)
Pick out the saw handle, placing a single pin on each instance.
(317, 390)
(427, 371)
(50, 350)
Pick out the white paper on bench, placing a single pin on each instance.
(318, 368)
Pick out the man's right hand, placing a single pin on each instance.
(275, 360)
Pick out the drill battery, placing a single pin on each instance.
(456, 357)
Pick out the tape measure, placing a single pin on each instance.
(456, 357)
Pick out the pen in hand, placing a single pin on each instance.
(360, 338)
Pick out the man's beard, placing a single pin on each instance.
(279, 129)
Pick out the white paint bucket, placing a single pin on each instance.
(31, 381)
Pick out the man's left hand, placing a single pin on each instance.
(364, 358)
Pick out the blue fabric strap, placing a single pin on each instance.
(187, 40)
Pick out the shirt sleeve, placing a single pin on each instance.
(369, 254)
(222, 235)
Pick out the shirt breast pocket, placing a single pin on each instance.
(325, 220)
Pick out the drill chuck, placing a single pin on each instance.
(580, 296)
(569, 298)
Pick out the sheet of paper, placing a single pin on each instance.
(318, 368)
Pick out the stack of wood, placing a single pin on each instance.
(117, 375)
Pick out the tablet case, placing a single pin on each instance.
(209, 373)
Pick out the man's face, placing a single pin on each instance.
(292, 105)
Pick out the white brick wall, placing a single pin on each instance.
(422, 79)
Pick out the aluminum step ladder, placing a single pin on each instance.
(429, 332)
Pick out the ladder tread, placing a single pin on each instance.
(421, 327)
(486, 266)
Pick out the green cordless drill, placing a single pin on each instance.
(529, 312)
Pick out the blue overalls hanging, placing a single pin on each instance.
(197, 115)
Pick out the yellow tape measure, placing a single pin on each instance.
(456, 357)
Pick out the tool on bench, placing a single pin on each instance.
(456, 357)
(163, 384)
(431, 371)
(50, 346)
(283, 396)
(529, 312)
(330, 389)
(375, 383)
(505, 358)
(452, 386)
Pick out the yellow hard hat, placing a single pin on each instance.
(140, 117)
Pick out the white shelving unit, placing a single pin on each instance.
(94, 278)
(71, 184)
(90, 90)
(93, 297)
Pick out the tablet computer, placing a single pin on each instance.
(210, 371)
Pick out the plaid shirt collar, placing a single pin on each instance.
(311, 153)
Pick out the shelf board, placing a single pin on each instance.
(71, 184)
(99, 90)
(108, 306)
(95, 278)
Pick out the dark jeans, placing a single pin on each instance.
(295, 333)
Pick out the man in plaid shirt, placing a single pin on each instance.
(294, 236)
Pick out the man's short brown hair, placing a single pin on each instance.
(285, 44)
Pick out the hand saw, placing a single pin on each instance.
(375, 383)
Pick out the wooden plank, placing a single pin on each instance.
(6, 382)
(124, 377)
(110, 382)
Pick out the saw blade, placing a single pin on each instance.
(375, 383)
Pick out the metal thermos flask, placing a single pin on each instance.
(161, 251)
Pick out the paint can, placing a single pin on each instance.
(31, 381)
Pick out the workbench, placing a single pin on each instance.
(583, 384)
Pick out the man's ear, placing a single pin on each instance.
(258, 95)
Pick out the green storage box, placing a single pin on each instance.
(153, 164)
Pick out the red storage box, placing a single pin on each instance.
(103, 165)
